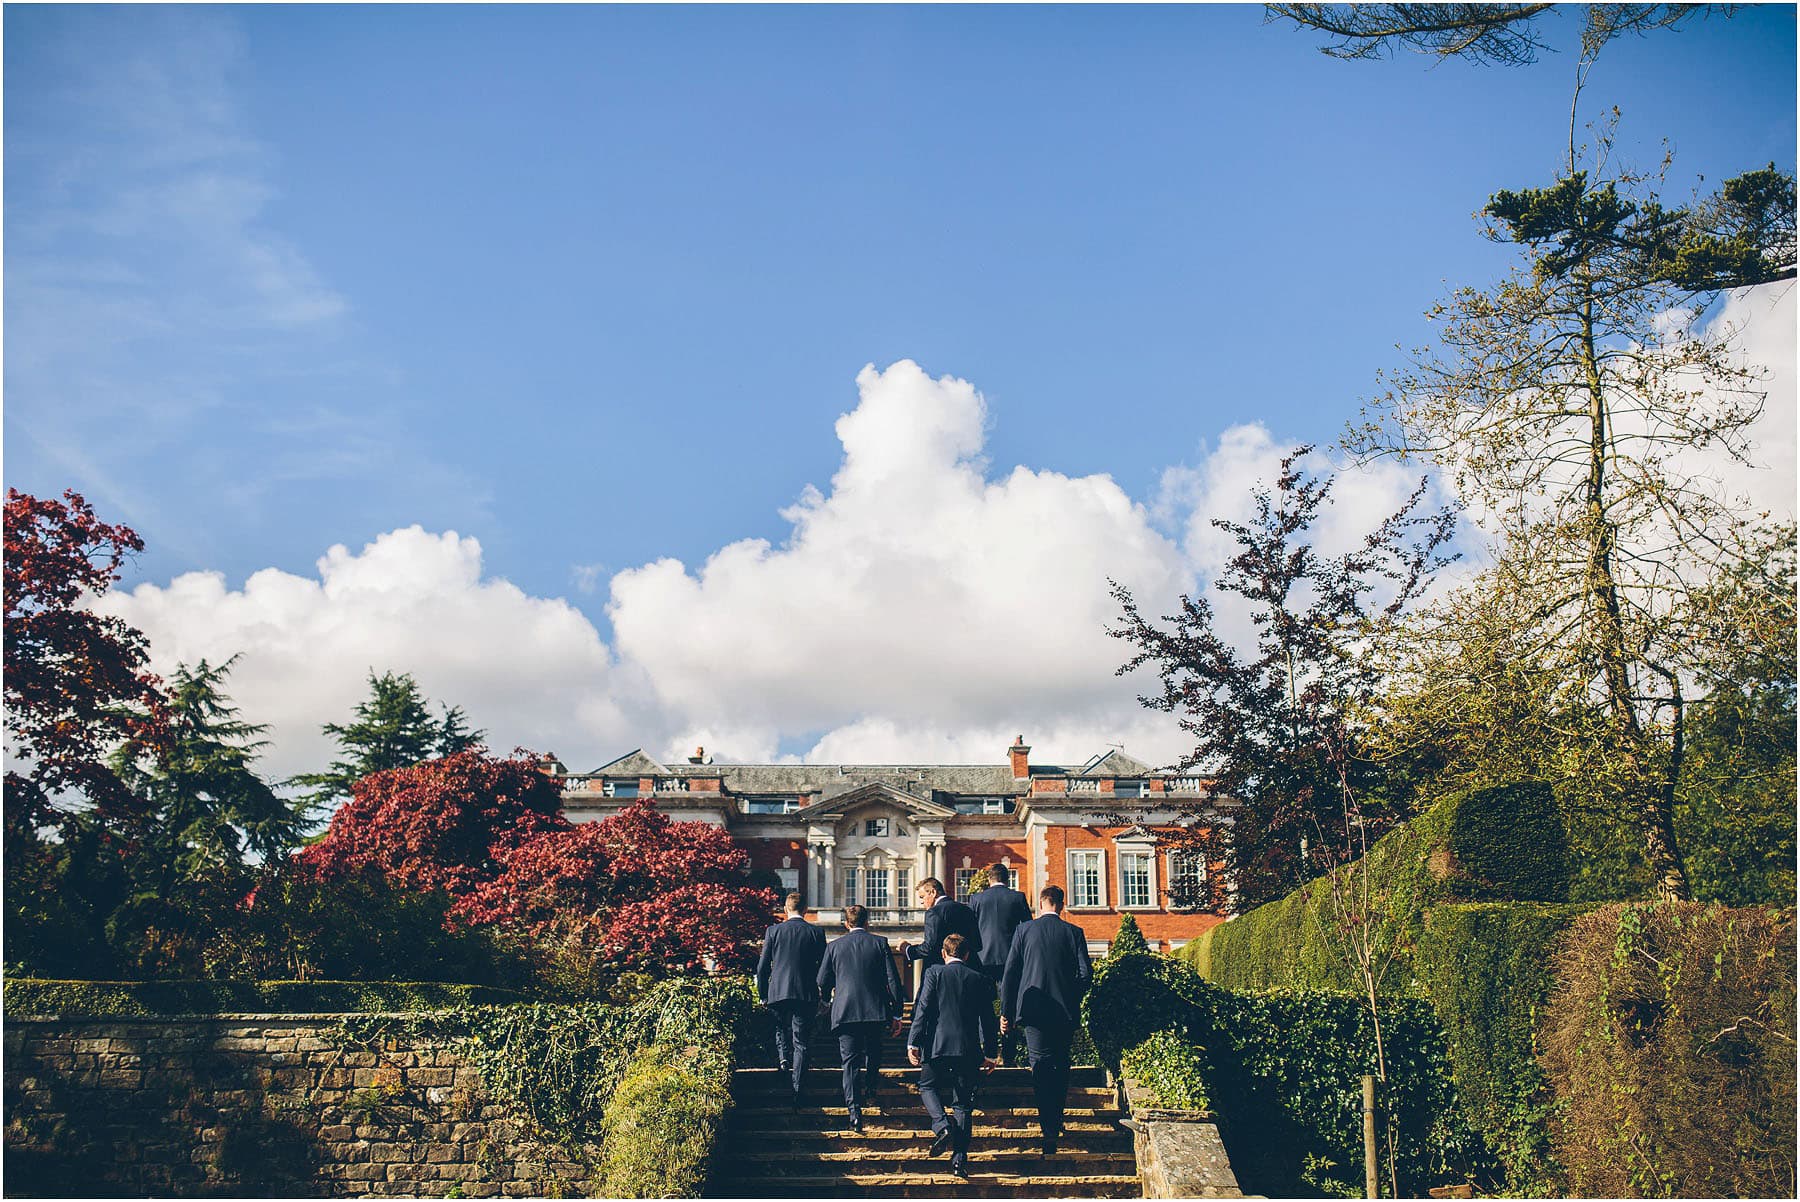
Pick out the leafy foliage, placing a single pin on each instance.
(1291, 1064)
(1486, 969)
(76, 681)
(1171, 1068)
(394, 728)
(1483, 33)
(1487, 844)
(1128, 940)
(1670, 1043)
(1276, 730)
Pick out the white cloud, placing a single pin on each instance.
(1763, 323)
(532, 671)
(917, 601)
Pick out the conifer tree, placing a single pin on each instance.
(394, 728)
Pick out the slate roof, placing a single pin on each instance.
(1115, 764)
(829, 780)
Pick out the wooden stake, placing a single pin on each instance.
(1370, 1183)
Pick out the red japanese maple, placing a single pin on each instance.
(76, 683)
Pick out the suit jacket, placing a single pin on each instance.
(1047, 971)
(948, 917)
(789, 968)
(859, 977)
(999, 912)
(954, 1013)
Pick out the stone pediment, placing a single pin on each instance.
(874, 793)
(632, 763)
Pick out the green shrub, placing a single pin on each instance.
(1669, 1045)
(1507, 843)
(145, 999)
(1486, 969)
(1172, 1068)
(663, 1123)
(1128, 940)
(1287, 1067)
(1502, 843)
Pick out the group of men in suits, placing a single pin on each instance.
(990, 950)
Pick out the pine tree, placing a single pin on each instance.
(393, 729)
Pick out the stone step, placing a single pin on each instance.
(1087, 1134)
(900, 1160)
(813, 1113)
(938, 1184)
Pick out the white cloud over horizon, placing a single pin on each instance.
(922, 609)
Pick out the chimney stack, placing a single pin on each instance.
(1021, 758)
(699, 756)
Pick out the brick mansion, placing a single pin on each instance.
(865, 834)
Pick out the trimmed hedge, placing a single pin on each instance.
(1486, 969)
(150, 999)
(1287, 1067)
(1497, 844)
(1670, 1044)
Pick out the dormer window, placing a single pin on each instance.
(876, 828)
(1131, 788)
(621, 788)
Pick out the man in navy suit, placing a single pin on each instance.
(944, 916)
(787, 980)
(999, 911)
(1047, 971)
(954, 1035)
(859, 977)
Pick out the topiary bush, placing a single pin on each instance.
(1502, 843)
(1129, 939)
(1669, 1043)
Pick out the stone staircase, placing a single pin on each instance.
(768, 1150)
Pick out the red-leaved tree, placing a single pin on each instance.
(444, 824)
(76, 682)
(636, 888)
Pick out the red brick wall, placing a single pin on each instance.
(981, 853)
(1160, 926)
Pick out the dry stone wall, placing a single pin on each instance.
(260, 1104)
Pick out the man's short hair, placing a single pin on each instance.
(791, 903)
(953, 946)
(933, 884)
(999, 875)
(1054, 895)
(856, 916)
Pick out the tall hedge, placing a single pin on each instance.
(1496, 844)
(1670, 1042)
(1486, 969)
(1285, 1068)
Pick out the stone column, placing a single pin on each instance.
(828, 866)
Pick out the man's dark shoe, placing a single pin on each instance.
(940, 1143)
(959, 1165)
(856, 1123)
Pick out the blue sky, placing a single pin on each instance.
(591, 286)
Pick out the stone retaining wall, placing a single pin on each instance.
(251, 1104)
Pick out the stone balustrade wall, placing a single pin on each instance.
(267, 1104)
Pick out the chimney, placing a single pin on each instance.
(1021, 758)
(699, 756)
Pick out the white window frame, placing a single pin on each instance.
(964, 877)
(1199, 857)
(1069, 865)
(852, 883)
(612, 787)
(903, 887)
(790, 879)
(885, 876)
(1148, 853)
(879, 831)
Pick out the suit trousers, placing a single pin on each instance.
(1009, 1042)
(951, 1079)
(859, 1049)
(793, 1035)
(1047, 1051)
